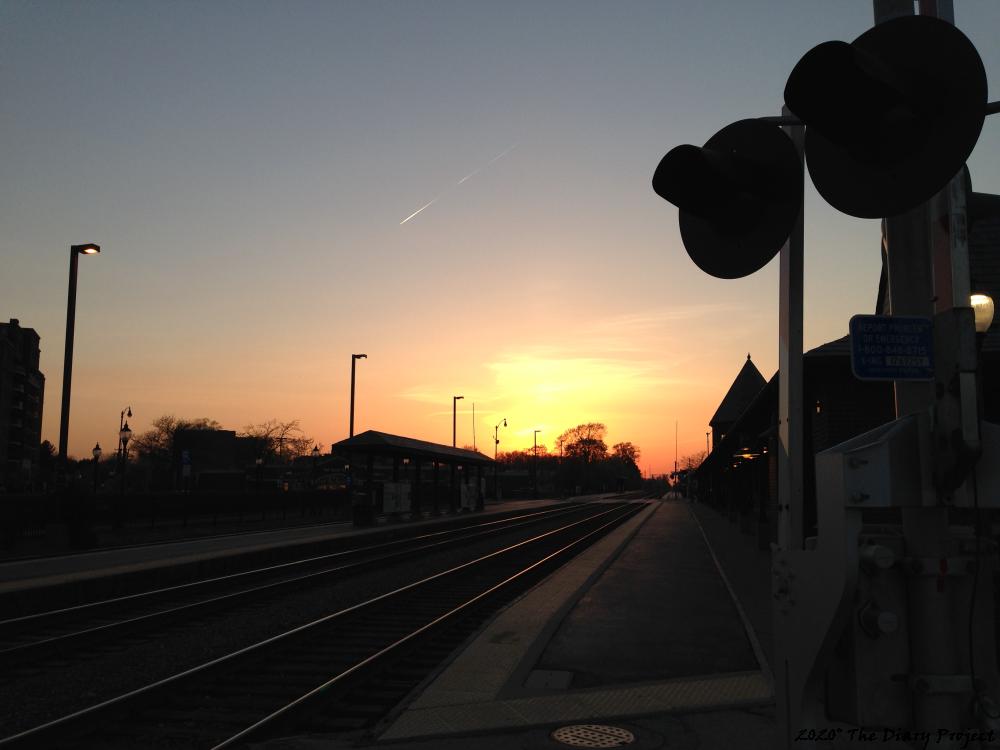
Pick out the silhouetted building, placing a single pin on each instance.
(206, 459)
(22, 390)
(744, 389)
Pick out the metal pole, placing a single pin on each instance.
(68, 357)
(790, 433)
(454, 412)
(354, 361)
(933, 636)
(675, 447)
(790, 459)
(535, 463)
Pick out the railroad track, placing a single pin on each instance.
(68, 633)
(339, 673)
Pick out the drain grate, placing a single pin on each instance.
(593, 735)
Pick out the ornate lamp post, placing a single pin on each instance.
(125, 434)
(496, 443)
(97, 457)
(127, 411)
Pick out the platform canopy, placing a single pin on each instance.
(384, 444)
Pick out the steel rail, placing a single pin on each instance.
(38, 619)
(369, 661)
(64, 642)
(54, 727)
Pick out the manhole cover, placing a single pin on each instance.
(593, 735)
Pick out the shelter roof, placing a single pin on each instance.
(382, 443)
(747, 384)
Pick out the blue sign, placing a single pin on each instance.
(892, 347)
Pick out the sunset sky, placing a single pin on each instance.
(247, 168)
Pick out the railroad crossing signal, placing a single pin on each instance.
(891, 117)
(890, 120)
(739, 196)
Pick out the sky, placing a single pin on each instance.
(258, 176)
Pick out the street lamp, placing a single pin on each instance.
(454, 411)
(97, 457)
(315, 455)
(74, 252)
(354, 359)
(125, 434)
(535, 490)
(121, 424)
(982, 308)
(259, 462)
(496, 442)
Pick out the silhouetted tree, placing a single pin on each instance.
(585, 441)
(692, 460)
(626, 452)
(46, 463)
(157, 443)
(283, 440)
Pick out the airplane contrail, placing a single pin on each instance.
(426, 205)
(468, 176)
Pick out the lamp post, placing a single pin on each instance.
(97, 457)
(315, 455)
(706, 444)
(496, 443)
(74, 252)
(535, 463)
(259, 462)
(454, 412)
(354, 359)
(121, 425)
(125, 434)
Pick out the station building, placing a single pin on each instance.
(739, 475)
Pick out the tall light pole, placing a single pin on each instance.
(496, 443)
(354, 359)
(454, 412)
(706, 444)
(536, 464)
(74, 252)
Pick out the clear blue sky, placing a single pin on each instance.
(246, 166)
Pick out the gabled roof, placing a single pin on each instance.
(385, 444)
(743, 390)
(837, 348)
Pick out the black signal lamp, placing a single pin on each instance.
(739, 196)
(891, 117)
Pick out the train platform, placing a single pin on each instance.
(168, 561)
(650, 638)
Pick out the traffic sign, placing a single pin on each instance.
(892, 347)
